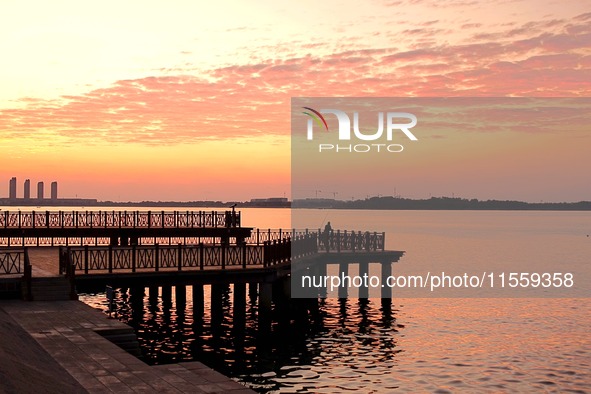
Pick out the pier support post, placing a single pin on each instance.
(343, 309)
(252, 291)
(386, 272)
(313, 305)
(364, 322)
(136, 299)
(279, 291)
(239, 302)
(322, 292)
(198, 307)
(266, 295)
(166, 297)
(285, 287)
(217, 312)
(239, 316)
(363, 273)
(316, 312)
(343, 272)
(153, 291)
(153, 297)
(265, 306)
(198, 301)
(387, 317)
(281, 297)
(180, 295)
(320, 272)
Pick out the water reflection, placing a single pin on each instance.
(303, 345)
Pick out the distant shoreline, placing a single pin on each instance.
(442, 204)
(373, 203)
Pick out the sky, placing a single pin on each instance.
(142, 100)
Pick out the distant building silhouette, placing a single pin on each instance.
(54, 190)
(12, 188)
(29, 200)
(27, 194)
(40, 190)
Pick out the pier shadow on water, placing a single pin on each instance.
(301, 345)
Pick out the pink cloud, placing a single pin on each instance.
(547, 58)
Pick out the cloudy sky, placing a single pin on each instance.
(189, 100)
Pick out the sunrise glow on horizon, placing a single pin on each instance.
(136, 101)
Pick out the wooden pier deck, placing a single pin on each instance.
(74, 335)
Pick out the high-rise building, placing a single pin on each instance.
(12, 188)
(40, 190)
(27, 194)
(54, 190)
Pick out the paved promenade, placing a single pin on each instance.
(67, 331)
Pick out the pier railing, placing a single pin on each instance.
(329, 241)
(335, 240)
(284, 250)
(101, 241)
(351, 241)
(119, 219)
(13, 261)
(260, 235)
(154, 258)
(159, 258)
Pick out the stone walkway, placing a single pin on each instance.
(67, 331)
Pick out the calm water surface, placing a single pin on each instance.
(413, 344)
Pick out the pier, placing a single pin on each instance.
(137, 248)
(166, 253)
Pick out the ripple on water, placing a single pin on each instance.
(478, 346)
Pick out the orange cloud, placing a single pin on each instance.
(252, 100)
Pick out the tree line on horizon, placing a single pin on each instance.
(378, 202)
(439, 203)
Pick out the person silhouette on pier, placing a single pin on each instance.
(326, 235)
